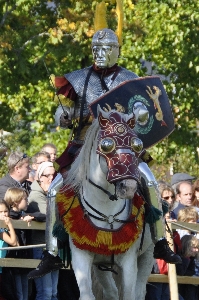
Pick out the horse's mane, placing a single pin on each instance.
(78, 170)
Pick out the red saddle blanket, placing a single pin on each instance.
(87, 236)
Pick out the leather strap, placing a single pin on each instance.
(83, 102)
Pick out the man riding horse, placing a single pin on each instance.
(76, 91)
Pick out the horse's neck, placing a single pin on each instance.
(94, 197)
(95, 177)
(95, 174)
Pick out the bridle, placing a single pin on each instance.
(111, 197)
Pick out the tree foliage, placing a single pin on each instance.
(35, 34)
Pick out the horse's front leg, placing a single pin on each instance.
(128, 264)
(110, 291)
(82, 262)
(145, 264)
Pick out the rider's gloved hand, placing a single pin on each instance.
(65, 121)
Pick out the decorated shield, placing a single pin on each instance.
(141, 94)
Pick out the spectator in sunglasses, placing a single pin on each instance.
(46, 285)
(168, 195)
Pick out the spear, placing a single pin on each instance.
(65, 113)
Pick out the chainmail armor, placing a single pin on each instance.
(94, 89)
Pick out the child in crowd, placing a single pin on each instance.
(7, 236)
(51, 149)
(189, 253)
(189, 215)
(16, 199)
(36, 160)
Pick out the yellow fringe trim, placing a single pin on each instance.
(103, 237)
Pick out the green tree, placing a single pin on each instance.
(169, 38)
(58, 34)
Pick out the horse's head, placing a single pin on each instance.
(119, 145)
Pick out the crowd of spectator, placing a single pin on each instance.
(182, 197)
(23, 196)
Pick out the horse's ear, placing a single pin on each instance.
(103, 117)
(131, 121)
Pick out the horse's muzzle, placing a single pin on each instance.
(126, 189)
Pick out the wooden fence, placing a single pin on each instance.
(172, 279)
(18, 262)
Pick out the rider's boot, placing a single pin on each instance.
(50, 260)
(49, 263)
(163, 251)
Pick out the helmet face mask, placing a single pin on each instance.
(105, 56)
(105, 48)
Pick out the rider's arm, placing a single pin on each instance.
(67, 96)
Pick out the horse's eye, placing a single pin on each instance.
(107, 145)
(136, 145)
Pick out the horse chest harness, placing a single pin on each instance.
(102, 217)
(109, 219)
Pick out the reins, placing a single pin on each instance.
(111, 197)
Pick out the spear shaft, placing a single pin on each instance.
(48, 73)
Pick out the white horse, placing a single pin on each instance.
(103, 232)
